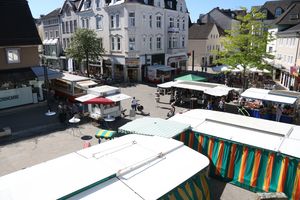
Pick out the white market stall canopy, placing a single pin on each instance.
(218, 91)
(168, 84)
(154, 126)
(161, 68)
(266, 95)
(265, 134)
(86, 97)
(129, 167)
(86, 84)
(118, 97)
(103, 90)
(73, 78)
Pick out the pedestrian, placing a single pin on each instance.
(133, 103)
(278, 112)
(209, 105)
(221, 104)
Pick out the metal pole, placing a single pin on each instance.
(193, 60)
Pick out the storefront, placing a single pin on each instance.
(23, 86)
(179, 62)
(133, 68)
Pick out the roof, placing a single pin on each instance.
(251, 131)
(20, 29)
(268, 95)
(103, 90)
(52, 14)
(191, 77)
(197, 31)
(154, 126)
(75, 4)
(293, 29)
(272, 5)
(129, 167)
(73, 78)
(290, 16)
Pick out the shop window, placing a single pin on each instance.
(13, 55)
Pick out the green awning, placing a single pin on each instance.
(154, 126)
(191, 77)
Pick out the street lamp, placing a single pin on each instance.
(46, 81)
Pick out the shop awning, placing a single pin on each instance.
(99, 100)
(166, 69)
(21, 74)
(40, 74)
(191, 77)
(118, 97)
(106, 134)
(262, 94)
(86, 84)
(85, 98)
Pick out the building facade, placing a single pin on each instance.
(134, 34)
(204, 40)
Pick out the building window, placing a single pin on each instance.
(112, 43)
(46, 35)
(56, 34)
(98, 22)
(82, 23)
(13, 56)
(183, 24)
(75, 25)
(101, 42)
(51, 34)
(68, 11)
(132, 19)
(87, 4)
(71, 27)
(87, 23)
(171, 21)
(278, 12)
(131, 43)
(183, 42)
(170, 42)
(158, 21)
(144, 41)
(63, 27)
(170, 5)
(178, 23)
(67, 27)
(68, 42)
(98, 3)
(150, 43)
(158, 43)
(150, 21)
(118, 44)
(112, 21)
(117, 21)
(64, 43)
(175, 42)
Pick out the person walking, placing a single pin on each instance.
(278, 112)
(221, 104)
(133, 103)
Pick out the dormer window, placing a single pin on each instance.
(87, 4)
(278, 12)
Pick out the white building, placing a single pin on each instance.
(136, 34)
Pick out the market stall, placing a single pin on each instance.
(71, 86)
(262, 103)
(255, 154)
(103, 101)
(132, 167)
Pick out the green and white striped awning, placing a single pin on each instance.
(154, 126)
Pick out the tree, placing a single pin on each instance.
(245, 44)
(85, 46)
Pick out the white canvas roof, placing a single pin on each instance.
(262, 94)
(218, 91)
(86, 97)
(103, 90)
(167, 84)
(73, 78)
(266, 134)
(130, 167)
(118, 97)
(86, 84)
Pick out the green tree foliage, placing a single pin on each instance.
(85, 46)
(246, 43)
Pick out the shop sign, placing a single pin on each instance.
(132, 61)
(176, 59)
(294, 71)
(15, 97)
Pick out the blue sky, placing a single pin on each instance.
(195, 7)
